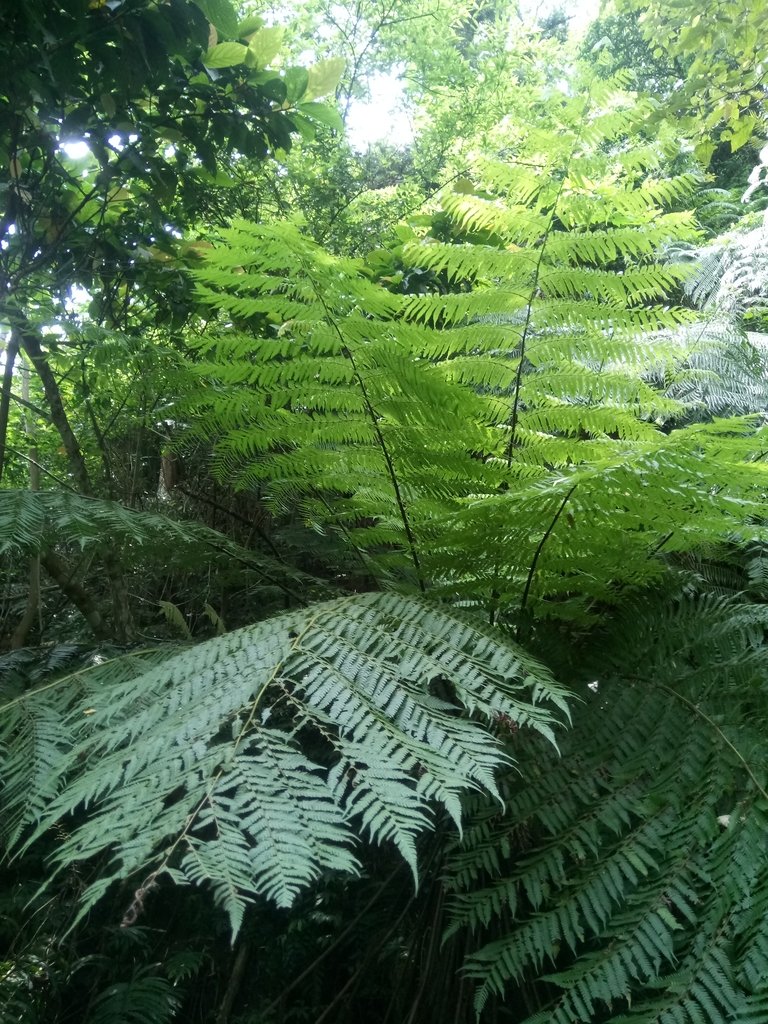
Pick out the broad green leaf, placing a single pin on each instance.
(692, 37)
(275, 90)
(248, 26)
(108, 103)
(742, 132)
(265, 45)
(703, 152)
(296, 82)
(323, 114)
(220, 13)
(304, 126)
(324, 77)
(225, 55)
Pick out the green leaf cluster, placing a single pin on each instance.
(502, 750)
(628, 881)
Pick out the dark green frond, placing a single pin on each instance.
(627, 879)
(253, 761)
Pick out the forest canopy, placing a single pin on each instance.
(383, 393)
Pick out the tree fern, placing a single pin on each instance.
(252, 762)
(730, 274)
(442, 431)
(545, 436)
(627, 879)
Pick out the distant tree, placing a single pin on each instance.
(724, 48)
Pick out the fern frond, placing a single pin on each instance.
(38, 727)
(633, 872)
(252, 761)
(730, 274)
(37, 521)
(439, 432)
(144, 999)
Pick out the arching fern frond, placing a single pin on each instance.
(627, 882)
(38, 521)
(37, 726)
(253, 762)
(145, 998)
(730, 274)
(718, 370)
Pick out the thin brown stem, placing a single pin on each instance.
(696, 710)
(527, 324)
(234, 983)
(340, 938)
(539, 549)
(434, 932)
(364, 964)
(375, 422)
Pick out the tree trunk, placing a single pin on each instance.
(30, 344)
(59, 572)
(122, 618)
(32, 610)
(11, 352)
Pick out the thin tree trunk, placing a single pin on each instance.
(122, 618)
(233, 985)
(59, 572)
(32, 610)
(11, 352)
(30, 344)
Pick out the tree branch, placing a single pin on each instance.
(59, 572)
(11, 352)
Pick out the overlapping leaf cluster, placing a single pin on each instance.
(546, 433)
(628, 882)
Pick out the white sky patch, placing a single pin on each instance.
(76, 150)
(579, 12)
(383, 118)
(78, 299)
(583, 14)
(53, 329)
